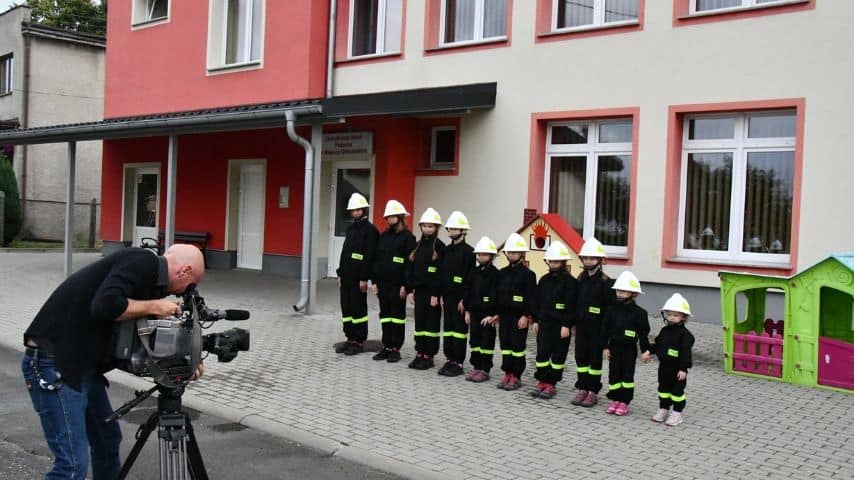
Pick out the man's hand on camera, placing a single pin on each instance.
(200, 370)
(165, 308)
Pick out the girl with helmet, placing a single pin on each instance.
(673, 348)
(454, 269)
(389, 268)
(625, 324)
(594, 296)
(422, 283)
(556, 293)
(354, 271)
(515, 293)
(479, 303)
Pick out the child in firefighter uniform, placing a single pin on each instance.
(454, 269)
(393, 246)
(423, 286)
(673, 348)
(479, 302)
(517, 287)
(354, 271)
(625, 324)
(594, 296)
(555, 304)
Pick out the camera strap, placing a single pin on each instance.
(144, 330)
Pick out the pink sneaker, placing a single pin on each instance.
(579, 397)
(504, 381)
(612, 407)
(513, 383)
(622, 409)
(471, 374)
(480, 376)
(590, 400)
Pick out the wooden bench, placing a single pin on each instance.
(199, 239)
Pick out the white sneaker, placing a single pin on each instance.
(661, 415)
(675, 418)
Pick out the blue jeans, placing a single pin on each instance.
(73, 422)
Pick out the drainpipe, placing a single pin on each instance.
(25, 123)
(307, 219)
(330, 54)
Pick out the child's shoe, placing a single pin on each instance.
(426, 363)
(470, 375)
(480, 376)
(579, 397)
(661, 415)
(445, 367)
(612, 407)
(513, 383)
(675, 418)
(549, 392)
(382, 354)
(590, 400)
(539, 390)
(415, 361)
(504, 381)
(622, 409)
(393, 356)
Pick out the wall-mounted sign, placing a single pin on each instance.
(348, 143)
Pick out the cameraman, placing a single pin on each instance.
(68, 348)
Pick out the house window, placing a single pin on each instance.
(375, 27)
(737, 186)
(702, 6)
(443, 148)
(473, 20)
(236, 34)
(145, 11)
(580, 14)
(588, 178)
(6, 72)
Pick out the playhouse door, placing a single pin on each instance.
(836, 340)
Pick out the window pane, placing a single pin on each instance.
(703, 5)
(257, 19)
(612, 199)
(711, 128)
(615, 132)
(446, 142)
(569, 135)
(348, 182)
(494, 18)
(459, 20)
(574, 13)
(364, 39)
(771, 125)
(707, 201)
(768, 202)
(146, 200)
(234, 24)
(158, 9)
(566, 189)
(393, 19)
(5, 75)
(620, 10)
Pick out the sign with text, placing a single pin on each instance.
(348, 143)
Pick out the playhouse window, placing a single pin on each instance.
(836, 315)
(375, 27)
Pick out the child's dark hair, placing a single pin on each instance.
(418, 245)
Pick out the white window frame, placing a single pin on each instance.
(745, 5)
(434, 132)
(479, 12)
(379, 45)
(217, 37)
(740, 145)
(9, 81)
(598, 18)
(591, 150)
(146, 21)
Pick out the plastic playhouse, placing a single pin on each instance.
(810, 343)
(540, 231)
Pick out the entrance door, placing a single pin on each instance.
(146, 204)
(347, 178)
(250, 226)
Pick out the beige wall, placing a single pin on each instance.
(792, 55)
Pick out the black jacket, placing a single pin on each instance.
(594, 296)
(517, 289)
(673, 346)
(556, 294)
(625, 324)
(357, 253)
(390, 258)
(455, 268)
(423, 270)
(480, 289)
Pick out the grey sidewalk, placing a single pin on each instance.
(422, 425)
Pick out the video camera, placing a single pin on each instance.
(169, 349)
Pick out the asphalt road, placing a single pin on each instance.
(229, 450)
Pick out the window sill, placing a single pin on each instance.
(589, 30)
(235, 67)
(149, 23)
(472, 44)
(376, 57)
(731, 263)
(5, 94)
(436, 172)
(751, 10)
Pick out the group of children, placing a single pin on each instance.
(460, 284)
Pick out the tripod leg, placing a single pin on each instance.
(141, 436)
(194, 455)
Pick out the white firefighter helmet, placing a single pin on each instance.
(357, 200)
(515, 243)
(592, 248)
(393, 207)
(628, 281)
(485, 245)
(457, 220)
(557, 251)
(677, 303)
(431, 216)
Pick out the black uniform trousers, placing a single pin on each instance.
(354, 310)
(481, 341)
(621, 372)
(551, 353)
(513, 341)
(392, 314)
(455, 330)
(427, 323)
(588, 358)
(670, 390)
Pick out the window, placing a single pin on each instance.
(473, 20)
(375, 27)
(580, 14)
(702, 6)
(145, 11)
(737, 186)
(443, 148)
(236, 32)
(6, 72)
(588, 178)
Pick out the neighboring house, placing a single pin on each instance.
(688, 135)
(50, 76)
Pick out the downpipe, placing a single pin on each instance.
(308, 199)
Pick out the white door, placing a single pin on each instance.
(347, 178)
(146, 204)
(250, 226)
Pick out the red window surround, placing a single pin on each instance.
(426, 126)
(342, 39)
(673, 173)
(432, 21)
(537, 160)
(682, 8)
(544, 25)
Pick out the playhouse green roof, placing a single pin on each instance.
(846, 259)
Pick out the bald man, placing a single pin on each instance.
(68, 348)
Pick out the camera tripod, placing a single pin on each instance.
(178, 449)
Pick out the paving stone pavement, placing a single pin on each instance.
(735, 427)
